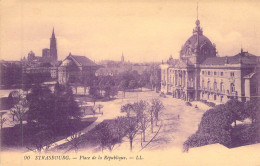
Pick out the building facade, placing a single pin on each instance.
(76, 69)
(199, 74)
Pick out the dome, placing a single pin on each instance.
(198, 45)
(191, 44)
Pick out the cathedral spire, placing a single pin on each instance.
(53, 35)
(53, 47)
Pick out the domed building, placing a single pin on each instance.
(200, 75)
(198, 47)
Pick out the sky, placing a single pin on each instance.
(144, 31)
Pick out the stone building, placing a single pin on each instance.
(76, 69)
(199, 74)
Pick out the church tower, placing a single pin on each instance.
(53, 47)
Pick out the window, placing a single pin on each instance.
(222, 86)
(209, 73)
(202, 84)
(232, 87)
(208, 84)
(215, 97)
(232, 74)
(202, 72)
(215, 85)
(215, 73)
(221, 73)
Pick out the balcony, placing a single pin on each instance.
(229, 93)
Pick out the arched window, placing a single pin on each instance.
(232, 87)
(202, 84)
(215, 85)
(222, 86)
(208, 84)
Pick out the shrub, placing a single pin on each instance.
(215, 127)
(197, 140)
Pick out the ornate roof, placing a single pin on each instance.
(198, 45)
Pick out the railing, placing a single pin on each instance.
(231, 93)
(212, 90)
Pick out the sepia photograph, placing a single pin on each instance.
(130, 82)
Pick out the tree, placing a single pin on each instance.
(127, 108)
(130, 126)
(156, 107)
(113, 91)
(252, 108)
(154, 78)
(11, 74)
(106, 135)
(123, 86)
(18, 112)
(140, 108)
(41, 105)
(93, 91)
(151, 113)
(132, 84)
(54, 110)
(144, 79)
(236, 110)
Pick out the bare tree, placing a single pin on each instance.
(127, 108)
(19, 110)
(130, 126)
(156, 107)
(140, 108)
(107, 135)
(18, 113)
(151, 113)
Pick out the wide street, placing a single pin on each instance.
(174, 130)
